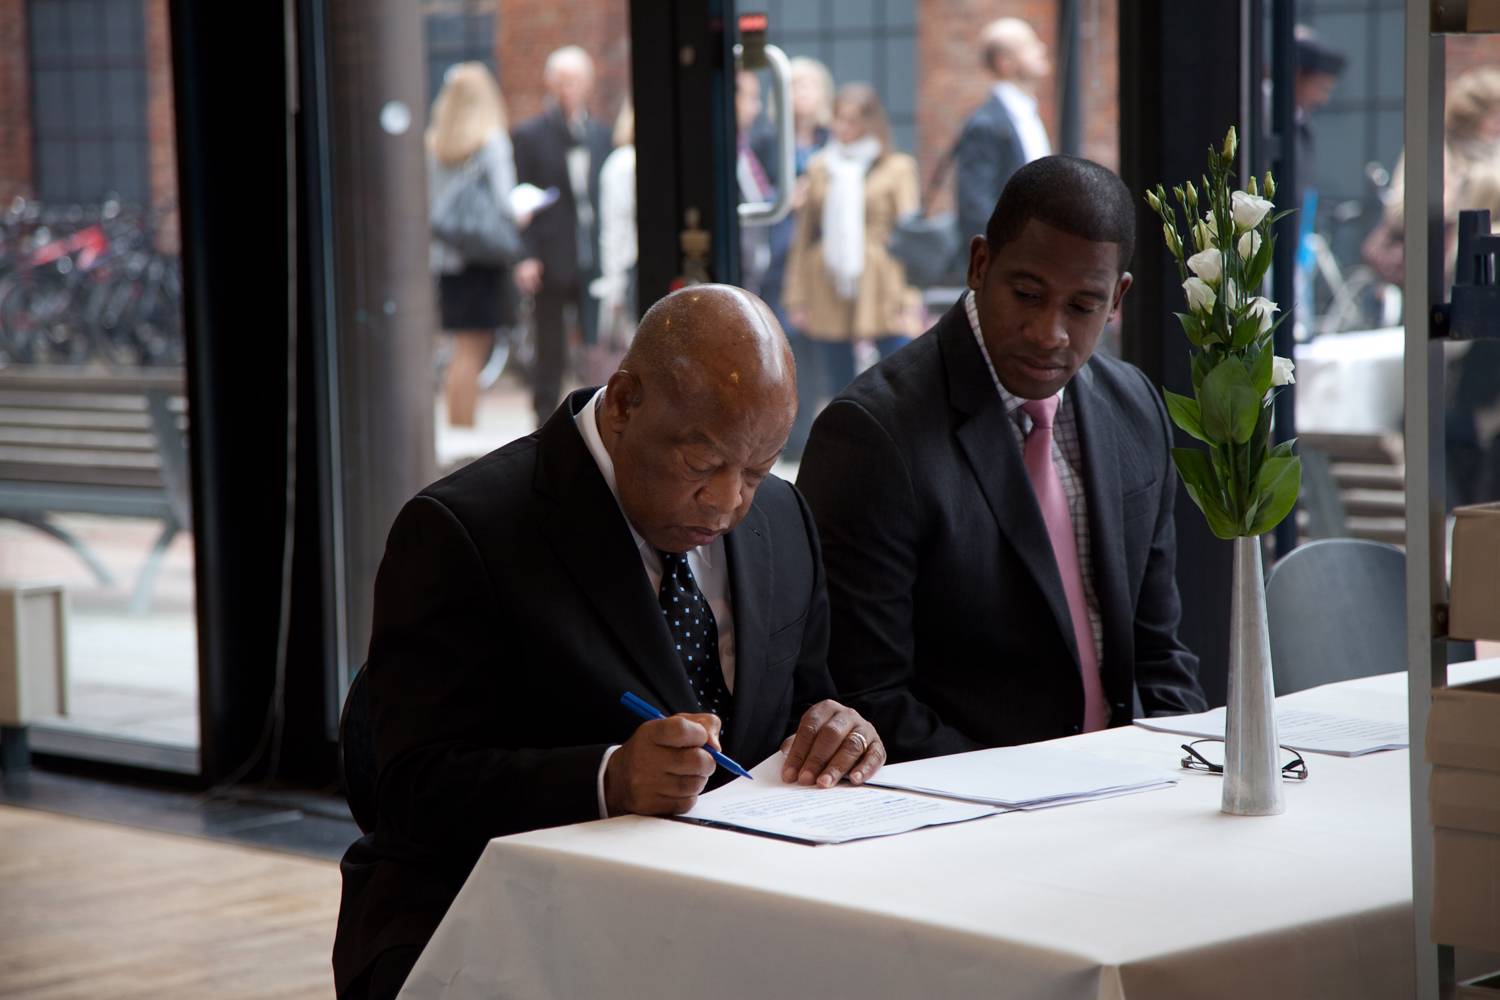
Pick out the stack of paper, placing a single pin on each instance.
(823, 815)
(1299, 729)
(1025, 777)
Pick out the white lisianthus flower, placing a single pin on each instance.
(1264, 310)
(1205, 235)
(1248, 209)
(1281, 371)
(1200, 295)
(1249, 245)
(1207, 264)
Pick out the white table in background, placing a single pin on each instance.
(1156, 895)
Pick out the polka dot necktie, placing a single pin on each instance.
(695, 634)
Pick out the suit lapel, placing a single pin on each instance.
(594, 544)
(984, 431)
(1098, 441)
(748, 549)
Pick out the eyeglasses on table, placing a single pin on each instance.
(1295, 768)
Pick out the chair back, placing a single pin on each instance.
(357, 753)
(1337, 611)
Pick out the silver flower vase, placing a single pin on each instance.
(1252, 768)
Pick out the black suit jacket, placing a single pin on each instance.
(511, 612)
(541, 147)
(988, 152)
(951, 631)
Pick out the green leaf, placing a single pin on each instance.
(1255, 273)
(1192, 327)
(1203, 489)
(1202, 364)
(1184, 413)
(1228, 403)
(1260, 369)
(1284, 449)
(1279, 482)
(1245, 332)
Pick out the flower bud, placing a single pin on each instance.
(1200, 297)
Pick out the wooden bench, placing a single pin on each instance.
(91, 442)
(1353, 485)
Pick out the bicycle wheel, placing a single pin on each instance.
(38, 322)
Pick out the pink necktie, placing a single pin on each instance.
(1047, 485)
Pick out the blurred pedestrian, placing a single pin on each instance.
(562, 148)
(1005, 132)
(474, 299)
(812, 113)
(615, 288)
(841, 283)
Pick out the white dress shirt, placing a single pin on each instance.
(708, 563)
(1021, 107)
(1067, 456)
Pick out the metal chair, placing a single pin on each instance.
(357, 753)
(1337, 611)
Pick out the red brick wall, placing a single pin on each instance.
(161, 123)
(953, 83)
(527, 32)
(1468, 51)
(15, 102)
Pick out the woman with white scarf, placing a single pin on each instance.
(841, 284)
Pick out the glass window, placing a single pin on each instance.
(94, 490)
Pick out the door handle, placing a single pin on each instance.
(768, 213)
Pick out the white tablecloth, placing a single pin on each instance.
(1156, 895)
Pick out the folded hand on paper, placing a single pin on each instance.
(832, 741)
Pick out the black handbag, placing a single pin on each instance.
(472, 219)
(930, 247)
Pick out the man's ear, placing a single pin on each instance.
(1120, 289)
(622, 394)
(979, 261)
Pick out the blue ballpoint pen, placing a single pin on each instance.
(650, 713)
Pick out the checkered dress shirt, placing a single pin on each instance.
(1070, 469)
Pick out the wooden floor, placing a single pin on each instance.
(96, 910)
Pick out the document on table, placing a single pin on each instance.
(1299, 729)
(823, 815)
(1026, 777)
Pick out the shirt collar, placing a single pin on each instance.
(1015, 98)
(588, 427)
(1012, 402)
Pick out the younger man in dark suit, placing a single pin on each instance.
(636, 542)
(995, 499)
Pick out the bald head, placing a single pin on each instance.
(698, 413)
(717, 340)
(1011, 50)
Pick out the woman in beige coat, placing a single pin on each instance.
(841, 284)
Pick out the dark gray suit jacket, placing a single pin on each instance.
(988, 152)
(511, 612)
(951, 631)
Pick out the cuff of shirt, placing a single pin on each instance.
(599, 782)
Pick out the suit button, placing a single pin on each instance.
(1077, 729)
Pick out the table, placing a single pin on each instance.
(1351, 382)
(1153, 895)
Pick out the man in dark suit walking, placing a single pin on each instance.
(636, 542)
(995, 500)
(561, 148)
(1005, 132)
